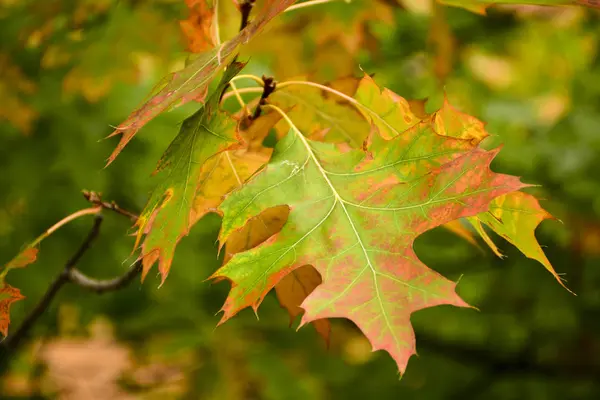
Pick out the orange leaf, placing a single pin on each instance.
(294, 288)
(198, 28)
(9, 294)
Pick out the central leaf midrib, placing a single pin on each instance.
(338, 199)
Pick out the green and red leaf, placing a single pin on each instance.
(169, 213)
(354, 216)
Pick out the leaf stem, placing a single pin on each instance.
(215, 25)
(64, 221)
(249, 76)
(239, 98)
(231, 93)
(96, 199)
(312, 3)
(351, 100)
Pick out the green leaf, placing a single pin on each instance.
(167, 216)
(354, 216)
(191, 83)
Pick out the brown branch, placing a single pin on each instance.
(13, 341)
(105, 285)
(269, 87)
(96, 199)
(73, 275)
(245, 8)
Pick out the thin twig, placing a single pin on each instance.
(96, 199)
(72, 274)
(63, 222)
(231, 93)
(12, 341)
(105, 285)
(311, 3)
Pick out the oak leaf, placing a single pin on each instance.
(191, 82)
(222, 174)
(169, 213)
(354, 216)
(293, 288)
(321, 113)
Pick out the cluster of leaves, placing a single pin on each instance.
(355, 178)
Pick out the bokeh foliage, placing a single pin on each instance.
(70, 69)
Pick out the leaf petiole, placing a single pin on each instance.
(232, 93)
(248, 76)
(312, 3)
(351, 100)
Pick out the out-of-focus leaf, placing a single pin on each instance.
(13, 86)
(198, 27)
(9, 294)
(294, 288)
(459, 229)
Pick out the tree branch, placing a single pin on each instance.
(105, 285)
(73, 275)
(12, 341)
(96, 199)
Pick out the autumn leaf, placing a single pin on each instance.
(198, 28)
(14, 86)
(515, 217)
(460, 230)
(390, 113)
(191, 82)
(169, 213)
(318, 112)
(293, 288)
(9, 294)
(221, 174)
(354, 216)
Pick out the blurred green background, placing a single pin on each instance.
(69, 69)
